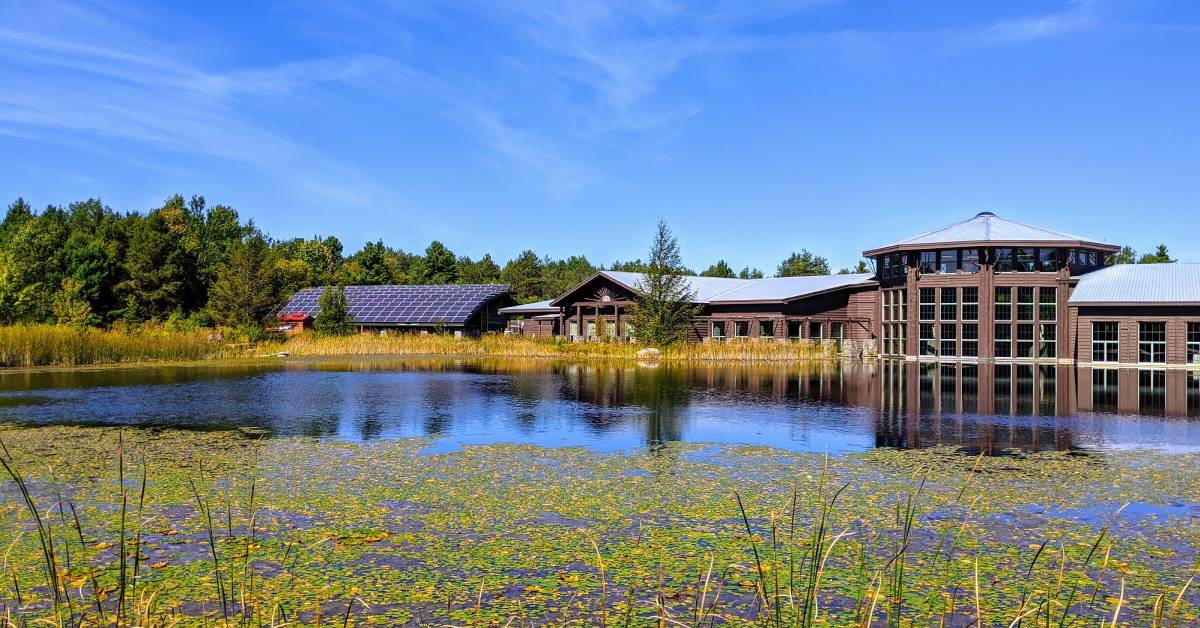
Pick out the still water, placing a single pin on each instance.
(823, 407)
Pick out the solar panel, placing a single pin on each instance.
(405, 305)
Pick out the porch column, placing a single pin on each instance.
(617, 319)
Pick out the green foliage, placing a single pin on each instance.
(1159, 256)
(1126, 256)
(750, 273)
(69, 306)
(439, 266)
(374, 265)
(802, 263)
(247, 288)
(720, 269)
(524, 274)
(334, 316)
(666, 303)
(484, 271)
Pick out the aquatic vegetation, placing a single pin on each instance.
(527, 347)
(159, 527)
(56, 345)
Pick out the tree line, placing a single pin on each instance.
(191, 264)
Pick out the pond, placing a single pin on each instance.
(818, 407)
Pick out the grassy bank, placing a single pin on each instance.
(50, 345)
(522, 347)
(216, 528)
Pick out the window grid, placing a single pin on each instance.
(1003, 304)
(928, 304)
(1025, 303)
(1047, 304)
(970, 304)
(1048, 340)
(1152, 342)
(1106, 342)
(1193, 343)
(970, 340)
(928, 339)
(1004, 341)
(1024, 340)
(949, 304)
(949, 342)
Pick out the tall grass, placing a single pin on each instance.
(50, 345)
(524, 347)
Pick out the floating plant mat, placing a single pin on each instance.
(221, 526)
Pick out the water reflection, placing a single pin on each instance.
(832, 407)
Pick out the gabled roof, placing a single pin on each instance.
(1150, 284)
(406, 305)
(712, 290)
(988, 228)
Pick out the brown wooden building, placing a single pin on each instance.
(983, 290)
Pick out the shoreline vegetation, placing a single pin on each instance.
(172, 527)
(31, 346)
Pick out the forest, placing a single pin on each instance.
(188, 265)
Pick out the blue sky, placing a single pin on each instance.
(754, 129)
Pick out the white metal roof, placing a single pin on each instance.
(527, 308)
(1140, 283)
(722, 290)
(988, 227)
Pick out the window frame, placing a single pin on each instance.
(931, 304)
(952, 292)
(1044, 306)
(1107, 347)
(1006, 303)
(1155, 348)
(768, 325)
(1191, 354)
(1003, 340)
(712, 331)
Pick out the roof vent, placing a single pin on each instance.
(982, 214)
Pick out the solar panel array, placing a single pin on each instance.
(405, 305)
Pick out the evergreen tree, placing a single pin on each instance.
(484, 271)
(665, 306)
(802, 263)
(438, 266)
(247, 288)
(750, 273)
(1159, 256)
(524, 275)
(720, 269)
(370, 266)
(558, 276)
(1126, 256)
(154, 267)
(333, 317)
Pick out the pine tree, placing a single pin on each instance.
(334, 316)
(665, 306)
(802, 263)
(720, 269)
(246, 290)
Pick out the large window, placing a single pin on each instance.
(1004, 340)
(1024, 340)
(928, 339)
(1152, 343)
(949, 304)
(970, 304)
(970, 260)
(949, 343)
(1004, 260)
(1047, 304)
(1106, 342)
(1025, 303)
(573, 329)
(741, 329)
(1025, 260)
(718, 330)
(816, 331)
(766, 329)
(1047, 340)
(1004, 304)
(1193, 343)
(1048, 260)
(927, 262)
(893, 339)
(970, 339)
(948, 261)
(794, 330)
(928, 304)
(837, 331)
